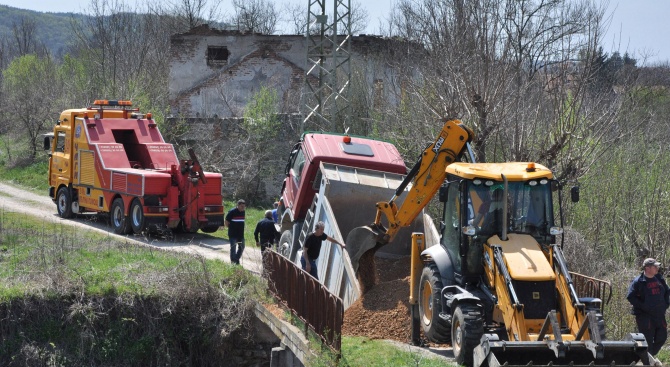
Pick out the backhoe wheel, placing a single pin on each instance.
(466, 331)
(118, 219)
(601, 322)
(137, 216)
(285, 242)
(430, 288)
(64, 202)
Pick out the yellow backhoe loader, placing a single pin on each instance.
(496, 285)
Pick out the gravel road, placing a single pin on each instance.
(14, 199)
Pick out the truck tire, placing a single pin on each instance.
(64, 203)
(430, 288)
(136, 216)
(285, 243)
(467, 329)
(209, 229)
(118, 219)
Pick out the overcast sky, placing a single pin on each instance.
(640, 27)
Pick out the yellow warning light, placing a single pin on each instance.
(531, 167)
(105, 102)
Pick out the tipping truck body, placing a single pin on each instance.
(337, 179)
(111, 159)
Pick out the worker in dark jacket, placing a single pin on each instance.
(267, 231)
(649, 294)
(235, 222)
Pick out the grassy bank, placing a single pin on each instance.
(70, 297)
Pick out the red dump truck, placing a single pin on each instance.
(338, 179)
(112, 159)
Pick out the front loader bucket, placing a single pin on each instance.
(494, 352)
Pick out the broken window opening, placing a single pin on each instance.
(217, 55)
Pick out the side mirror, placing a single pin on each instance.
(574, 194)
(443, 194)
(47, 141)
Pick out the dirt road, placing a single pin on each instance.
(14, 199)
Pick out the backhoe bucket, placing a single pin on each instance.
(360, 240)
(493, 353)
(362, 244)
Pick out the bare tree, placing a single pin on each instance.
(30, 85)
(295, 17)
(25, 41)
(508, 69)
(126, 53)
(193, 13)
(255, 15)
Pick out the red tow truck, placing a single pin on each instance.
(112, 159)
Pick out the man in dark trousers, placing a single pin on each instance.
(267, 231)
(312, 248)
(235, 224)
(648, 293)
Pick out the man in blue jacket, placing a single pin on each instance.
(649, 294)
(235, 223)
(267, 231)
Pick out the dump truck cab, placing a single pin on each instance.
(303, 175)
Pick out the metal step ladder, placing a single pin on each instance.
(307, 224)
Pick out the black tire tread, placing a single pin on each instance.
(438, 331)
(67, 213)
(473, 327)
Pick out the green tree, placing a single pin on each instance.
(263, 126)
(31, 90)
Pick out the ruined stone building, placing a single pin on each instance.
(213, 73)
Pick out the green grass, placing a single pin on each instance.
(360, 351)
(38, 257)
(32, 178)
(664, 356)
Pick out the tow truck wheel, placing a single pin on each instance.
(430, 287)
(466, 332)
(64, 202)
(209, 229)
(285, 242)
(118, 218)
(137, 216)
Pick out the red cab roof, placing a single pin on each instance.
(353, 151)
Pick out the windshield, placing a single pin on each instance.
(530, 208)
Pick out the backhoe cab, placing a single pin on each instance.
(498, 287)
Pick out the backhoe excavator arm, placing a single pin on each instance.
(426, 177)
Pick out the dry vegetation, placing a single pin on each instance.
(71, 299)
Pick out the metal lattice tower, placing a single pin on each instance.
(328, 72)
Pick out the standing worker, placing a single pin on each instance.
(235, 224)
(648, 293)
(267, 231)
(312, 248)
(275, 216)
